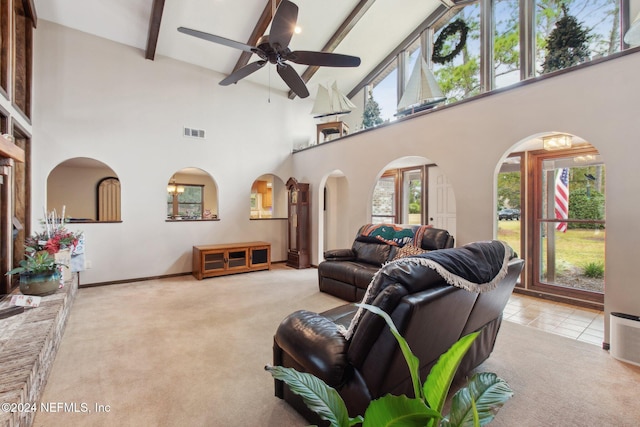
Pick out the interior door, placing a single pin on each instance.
(441, 209)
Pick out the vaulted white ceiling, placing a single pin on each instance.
(376, 34)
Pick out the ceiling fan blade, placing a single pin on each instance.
(216, 39)
(243, 72)
(283, 24)
(293, 80)
(323, 59)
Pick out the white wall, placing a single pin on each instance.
(468, 141)
(98, 99)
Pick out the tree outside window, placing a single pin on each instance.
(185, 204)
(599, 19)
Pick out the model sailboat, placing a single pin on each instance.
(331, 102)
(422, 91)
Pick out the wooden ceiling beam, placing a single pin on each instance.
(356, 14)
(154, 28)
(258, 31)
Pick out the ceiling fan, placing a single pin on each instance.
(274, 48)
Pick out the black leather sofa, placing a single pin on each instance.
(346, 273)
(429, 312)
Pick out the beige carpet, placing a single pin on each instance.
(182, 352)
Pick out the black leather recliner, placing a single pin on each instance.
(431, 314)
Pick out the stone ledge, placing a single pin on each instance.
(29, 342)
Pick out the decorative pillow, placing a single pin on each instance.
(390, 234)
(409, 250)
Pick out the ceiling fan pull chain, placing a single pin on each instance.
(269, 98)
(273, 13)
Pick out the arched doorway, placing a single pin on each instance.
(559, 195)
(332, 208)
(414, 190)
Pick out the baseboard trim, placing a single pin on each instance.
(144, 279)
(138, 279)
(557, 298)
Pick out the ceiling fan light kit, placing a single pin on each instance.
(274, 48)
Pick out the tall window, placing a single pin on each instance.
(460, 78)
(384, 200)
(509, 209)
(506, 42)
(413, 54)
(400, 197)
(599, 18)
(385, 92)
(412, 206)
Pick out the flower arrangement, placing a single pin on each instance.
(40, 248)
(54, 237)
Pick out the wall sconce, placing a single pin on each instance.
(558, 141)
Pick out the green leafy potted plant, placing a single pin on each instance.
(473, 405)
(39, 273)
(47, 255)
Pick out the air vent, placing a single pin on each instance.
(193, 133)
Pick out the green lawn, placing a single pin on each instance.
(575, 247)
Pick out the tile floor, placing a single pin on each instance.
(582, 324)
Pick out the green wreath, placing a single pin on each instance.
(457, 26)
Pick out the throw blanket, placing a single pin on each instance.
(393, 234)
(476, 267)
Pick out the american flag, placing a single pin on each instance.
(562, 198)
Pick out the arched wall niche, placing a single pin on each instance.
(74, 185)
(268, 198)
(192, 195)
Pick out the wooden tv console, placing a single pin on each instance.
(230, 258)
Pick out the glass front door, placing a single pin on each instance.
(569, 227)
(412, 204)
